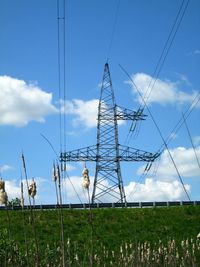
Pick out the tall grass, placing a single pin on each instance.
(183, 254)
(31, 189)
(122, 237)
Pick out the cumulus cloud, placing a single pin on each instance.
(13, 188)
(156, 190)
(74, 190)
(150, 190)
(21, 103)
(85, 111)
(164, 187)
(77, 189)
(185, 161)
(69, 167)
(5, 168)
(163, 92)
(196, 140)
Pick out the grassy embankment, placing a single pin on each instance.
(111, 228)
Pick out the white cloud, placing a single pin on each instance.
(155, 190)
(4, 168)
(21, 103)
(13, 188)
(85, 111)
(163, 92)
(69, 167)
(150, 190)
(77, 189)
(185, 161)
(82, 193)
(167, 186)
(164, 187)
(196, 140)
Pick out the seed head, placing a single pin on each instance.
(54, 177)
(58, 174)
(2, 185)
(86, 179)
(3, 197)
(32, 190)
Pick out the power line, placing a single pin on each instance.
(59, 71)
(179, 124)
(177, 128)
(113, 31)
(64, 74)
(186, 126)
(167, 46)
(165, 52)
(158, 129)
(53, 149)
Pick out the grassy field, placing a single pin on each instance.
(107, 230)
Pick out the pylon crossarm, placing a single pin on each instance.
(82, 154)
(127, 114)
(107, 154)
(132, 154)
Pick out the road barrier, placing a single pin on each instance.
(108, 205)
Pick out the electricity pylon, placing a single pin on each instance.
(108, 153)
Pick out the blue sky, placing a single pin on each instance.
(29, 95)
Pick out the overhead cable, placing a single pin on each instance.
(158, 129)
(166, 48)
(188, 131)
(59, 73)
(113, 31)
(52, 147)
(165, 52)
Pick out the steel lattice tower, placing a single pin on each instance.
(107, 144)
(108, 153)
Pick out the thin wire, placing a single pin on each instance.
(113, 31)
(159, 131)
(144, 174)
(133, 191)
(177, 127)
(179, 124)
(52, 147)
(73, 187)
(165, 52)
(188, 131)
(59, 73)
(64, 74)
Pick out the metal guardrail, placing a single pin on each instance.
(109, 205)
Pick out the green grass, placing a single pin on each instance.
(111, 227)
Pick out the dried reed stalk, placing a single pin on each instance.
(32, 214)
(58, 178)
(24, 221)
(86, 185)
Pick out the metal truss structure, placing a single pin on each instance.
(108, 153)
